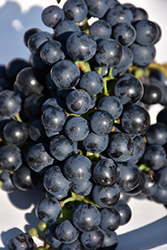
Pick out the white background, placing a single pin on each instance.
(148, 227)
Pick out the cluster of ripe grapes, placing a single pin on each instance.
(74, 119)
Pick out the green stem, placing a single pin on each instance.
(144, 167)
(17, 116)
(87, 200)
(84, 66)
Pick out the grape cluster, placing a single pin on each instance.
(75, 119)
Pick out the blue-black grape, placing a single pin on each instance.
(53, 119)
(109, 53)
(95, 143)
(55, 182)
(146, 32)
(106, 196)
(50, 236)
(6, 181)
(124, 33)
(10, 158)
(119, 14)
(143, 55)
(61, 147)
(101, 29)
(75, 10)
(111, 104)
(154, 156)
(82, 188)
(129, 176)
(124, 63)
(81, 46)
(24, 178)
(38, 157)
(22, 241)
(120, 146)
(105, 172)
(15, 132)
(157, 134)
(36, 131)
(77, 168)
(86, 217)
(129, 89)
(78, 101)
(92, 239)
(10, 103)
(52, 15)
(65, 74)
(64, 29)
(124, 210)
(139, 14)
(92, 82)
(110, 240)
(76, 128)
(101, 122)
(66, 232)
(48, 210)
(99, 8)
(76, 245)
(51, 52)
(135, 119)
(110, 219)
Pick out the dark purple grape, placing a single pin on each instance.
(99, 8)
(66, 232)
(76, 245)
(15, 132)
(143, 55)
(10, 158)
(86, 217)
(135, 120)
(120, 146)
(129, 89)
(124, 33)
(6, 181)
(110, 240)
(81, 46)
(112, 105)
(157, 134)
(129, 176)
(36, 40)
(119, 14)
(61, 147)
(105, 172)
(50, 237)
(109, 53)
(27, 83)
(55, 182)
(153, 94)
(82, 188)
(29, 33)
(160, 196)
(77, 168)
(146, 32)
(24, 178)
(64, 29)
(101, 29)
(36, 131)
(65, 74)
(32, 106)
(22, 241)
(139, 14)
(38, 157)
(110, 219)
(75, 10)
(92, 239)
(78, 101)
(105, 196)
(10, 103)
(154, 156)
(52, 15)
(48, 210)
(53, 119)
(124, 210)
(76, 128)
(94, 143)
(92, 82)
(51, 52)
(124, 63)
